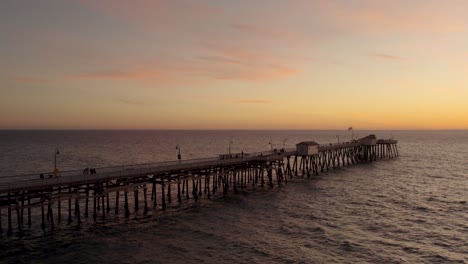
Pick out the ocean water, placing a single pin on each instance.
(412, 209)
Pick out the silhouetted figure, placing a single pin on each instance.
(41, 176)
(86, 171)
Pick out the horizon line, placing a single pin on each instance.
(233, 129)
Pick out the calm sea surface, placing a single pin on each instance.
(412, 209)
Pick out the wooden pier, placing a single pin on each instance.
(124, 190)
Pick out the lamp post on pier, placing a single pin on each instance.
(350, 129)
(271, 145)
(179, 157)
(56, 171)
(338, 137)
(284, 143)
(230, 143)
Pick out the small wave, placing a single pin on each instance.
(434, 199)
(438, 258)
(441, 244)
(422, 208)
(411, 249)
(318, 230)
(348, 246)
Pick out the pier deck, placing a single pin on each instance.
(170, 182)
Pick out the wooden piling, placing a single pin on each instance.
(94, 204)
(10, 230)
(135, 192)
(49, 208)
(42, 213)
(187, 188)
(194, 189)
(59, 206)
(169, 196)
(107, 198)
(153, 188)
(86, 201)
(155, 202)
(145, 201)
(179, 197)
(103, 208)
(69, 205)
(207, 184)
(200, 186)
(18, 213)
(22, 207)
(78, 213)
(29, 210)
(163, 198)
(127, 210)
(116, 211)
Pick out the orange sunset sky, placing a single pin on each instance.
(214, 64)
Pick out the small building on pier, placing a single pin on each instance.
(370, 140)
(307, 148)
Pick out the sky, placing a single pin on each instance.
(223, 64)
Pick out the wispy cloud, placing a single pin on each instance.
(160, 14)
(217, 64)
(221, 59)
(24, 79)
(267, 32)
(120, 75)
(395, 16)
(389, 57)
(252, 101)
(131, 102)
(257, 74)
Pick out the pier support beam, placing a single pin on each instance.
(163, 198)
(69, 205)
(59, 206)
(145, 200)
(86, 201)
(135, 192)
(127, 210)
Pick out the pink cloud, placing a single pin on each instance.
(119, 75)
(398, 15)
(252, 101)
(153, 14)
(389, 57)
(219, 63)
(268, 32)
(258, 74)
(24, 79)
(176, 74)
